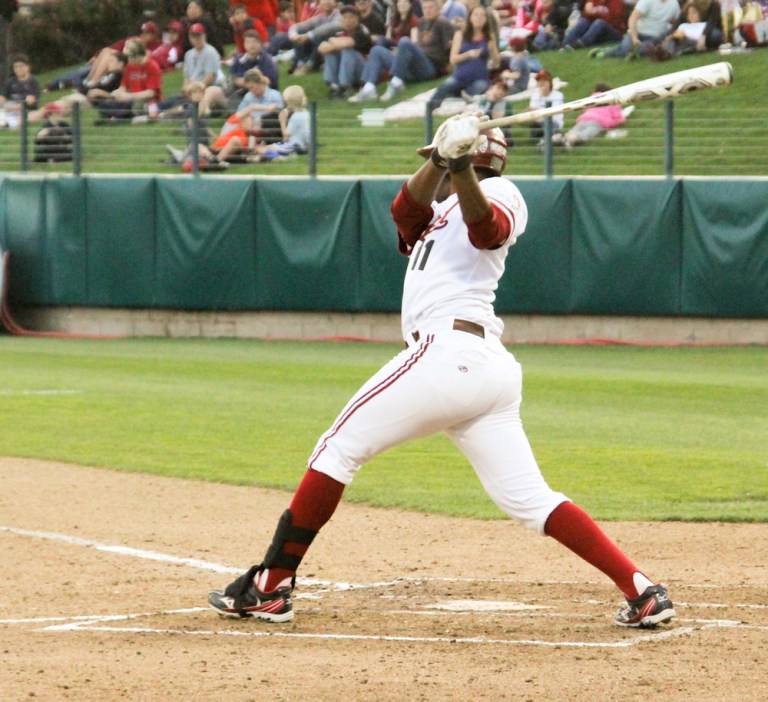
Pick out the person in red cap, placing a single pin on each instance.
(545, 96)
(53, 143)
(517, 73)
(171, 52)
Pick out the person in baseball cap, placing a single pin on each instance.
(197, 28)
(546, 96)
(150, 28)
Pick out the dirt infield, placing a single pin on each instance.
(105, 576)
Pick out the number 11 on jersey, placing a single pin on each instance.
(420, 254)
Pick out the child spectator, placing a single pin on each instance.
(517, 73)
(295, 128)
(203, 134)
(21, 89)
(53, 143)
(240, 23)
(265, 11)
(287, 17)
(592, 122)
(545, 96)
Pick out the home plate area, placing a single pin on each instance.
(435, 611)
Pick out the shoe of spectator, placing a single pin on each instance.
(140, 119)
(285, 56)
(597, 52)
(364, 95)
(390, 93)
(302, 70)
(334, 91)
(177, 155)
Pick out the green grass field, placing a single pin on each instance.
(630, 433)
(718, 132)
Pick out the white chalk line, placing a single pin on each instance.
(94, 622)
(7, 393)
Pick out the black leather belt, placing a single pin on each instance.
(463, 325)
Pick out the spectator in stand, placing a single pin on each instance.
(266, 11)
(402, 22)
(344, 54)
(545, 96)
(171, 52)
(197, 15)
(203, 61)
(592, 122)
(473, 51)
(149, 36)
(53, 143)
(264, 104)
(493, 101)
(21, 90)
(694, 31)
(301, 38)
(601, 22)
(517, 72)
(649, 23)
(547, 34)
(202, 135)
(418, 58)
(455, 11)
(240, 23)
(140, 86)
(90, 95)
(100, 63)
(287, 17)
(253, 57)
(372, 18)
(295, 128)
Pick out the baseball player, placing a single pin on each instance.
(456, 219)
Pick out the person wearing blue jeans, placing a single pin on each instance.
(648, 24)
(412, 60)
(601, 22)
(343, 54)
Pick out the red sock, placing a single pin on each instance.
(576, 530)
(313, 504)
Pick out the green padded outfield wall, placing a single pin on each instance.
(615, 246)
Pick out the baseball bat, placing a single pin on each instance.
(669, 85)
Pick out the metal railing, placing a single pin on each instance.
(658, 139)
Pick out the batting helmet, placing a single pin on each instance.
(491, 152)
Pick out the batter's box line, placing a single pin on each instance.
(97, 623)
(655, 637)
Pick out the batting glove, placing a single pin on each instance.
(458, 136)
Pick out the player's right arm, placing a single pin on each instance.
(412, 208)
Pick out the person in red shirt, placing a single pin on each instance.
(264, 10)
(240, 23)
(141, 87)
(171, 52)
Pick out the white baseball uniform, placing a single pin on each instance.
(455, 375)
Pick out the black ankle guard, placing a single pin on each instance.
(285, 531)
